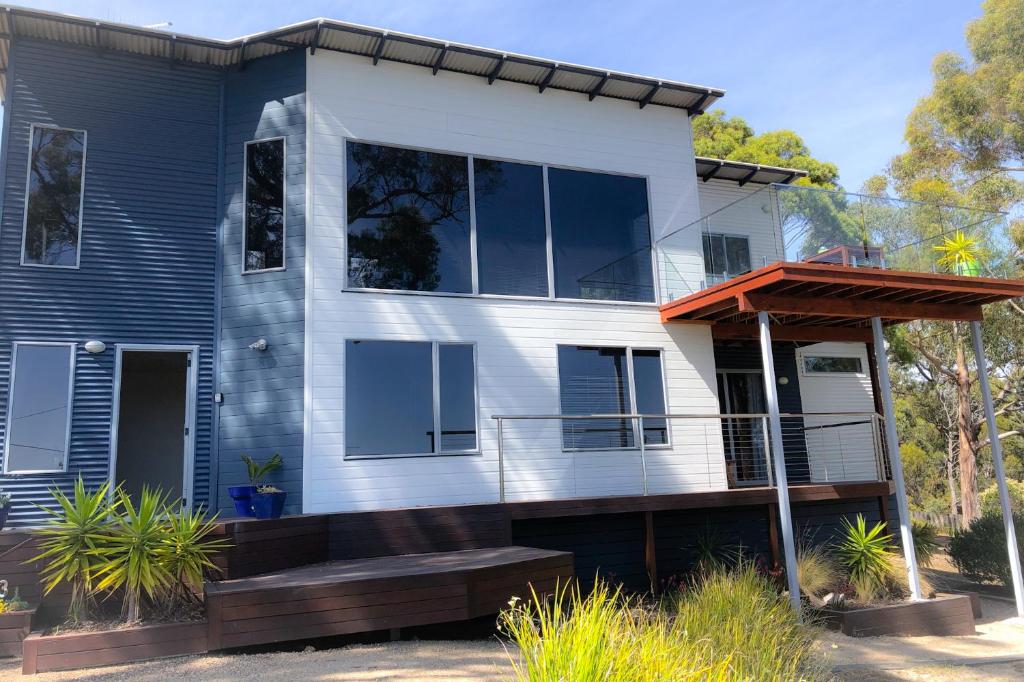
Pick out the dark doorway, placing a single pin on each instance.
(152, 424)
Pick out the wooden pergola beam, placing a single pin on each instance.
(846, 307)
(747, 332)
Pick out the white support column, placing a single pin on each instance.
(895, 461)
(779, 457)
(997, 463)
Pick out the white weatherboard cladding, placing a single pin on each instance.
(836, 392)
(516, 340)
(751, 219)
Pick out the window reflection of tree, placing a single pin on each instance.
(404, 207)
(264, 239)
(54, 201)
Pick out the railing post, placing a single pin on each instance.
(501, 464)
(782, 489)
(767, 451)
(892, 440)
(643, 451)
(997, 464)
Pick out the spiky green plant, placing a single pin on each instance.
(75, 544)
(867, 555)
(189, 552)
(257, 472)
(959, 253)
(926, 542)
(713, 551)
(137, 558)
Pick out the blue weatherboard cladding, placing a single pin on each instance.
(262, 411)
(148, 244)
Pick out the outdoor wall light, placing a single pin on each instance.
(259, 344)
(95, 347)
(783, 381)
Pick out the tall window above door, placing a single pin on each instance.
(264, 205)
(725, 256)
(457, 224)
(53, 197)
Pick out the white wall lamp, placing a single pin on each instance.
(783, 381)
(95, 347)
(259, 344)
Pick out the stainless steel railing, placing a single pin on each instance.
(567, 456)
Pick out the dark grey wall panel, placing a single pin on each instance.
(262, 411)
(148, 245)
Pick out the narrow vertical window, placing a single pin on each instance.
(650, 394)
(53, 207)
(39, 408)
(264, 205)
(511, 233)
(457, 396)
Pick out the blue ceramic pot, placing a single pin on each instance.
(242, 496)
(268, 505)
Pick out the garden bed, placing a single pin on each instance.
(943, 615)
(14, 627)
(108, 647)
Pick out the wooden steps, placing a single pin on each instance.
(379, 593)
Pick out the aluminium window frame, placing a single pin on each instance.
(435, 361)
(723, 235)
(474, 263)
(81, 197)
(284, 204)
(812, 373)
(634, 423)
(73, 348)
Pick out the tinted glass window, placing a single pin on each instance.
(511, 235)
(601, 236)
(39, 409)
(264, 205)
(408, 219)
(817, 363)
(53, 220)
(594, 381)
(650, 394)
(388, 398)
(725, 256)
(458, 397)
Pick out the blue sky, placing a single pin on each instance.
(842, 75)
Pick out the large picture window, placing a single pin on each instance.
(447, 223)
(39, 408)
(400, 394)
(725, 256)
(408, 220)
(610, 381)
(600, 231)
(53, 205)
(264, 205)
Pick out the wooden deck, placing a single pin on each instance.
(379, 593)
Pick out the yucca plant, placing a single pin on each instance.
(188, 552)
(926, 542)
(257, 472)
(75, 544)
(867, 555)
(137, 555)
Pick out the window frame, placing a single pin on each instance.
(631, 389)
(809, 372)
(723, 236)
(284, 204)
(81, 196)
(435, 362)
(474, 255)
(73, 347)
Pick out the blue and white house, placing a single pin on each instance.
(425, 273)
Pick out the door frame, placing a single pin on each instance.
(191, 393)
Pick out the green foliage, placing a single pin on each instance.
(816, 571)
(728, 626)
(713, 551)
(136, 554)
(257, 472)
(926, 542)
(990, 498)
(979, 552)
(73, 544)
(189, 552)
(5, 499)
(867, 556)
(719, 137)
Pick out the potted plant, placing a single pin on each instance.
(5, 508)
(242, 494)
(268, 502)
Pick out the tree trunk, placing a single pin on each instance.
(951, 474)
(965, 427)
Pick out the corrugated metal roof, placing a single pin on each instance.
(743, 172)
(378, 44)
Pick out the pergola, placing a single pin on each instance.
(825, 302)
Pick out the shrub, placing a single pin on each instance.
(867, 556)
(728, 625)
(989, 498)
(979, 552)
(189, 553)
(816, 571)
(926, 542)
